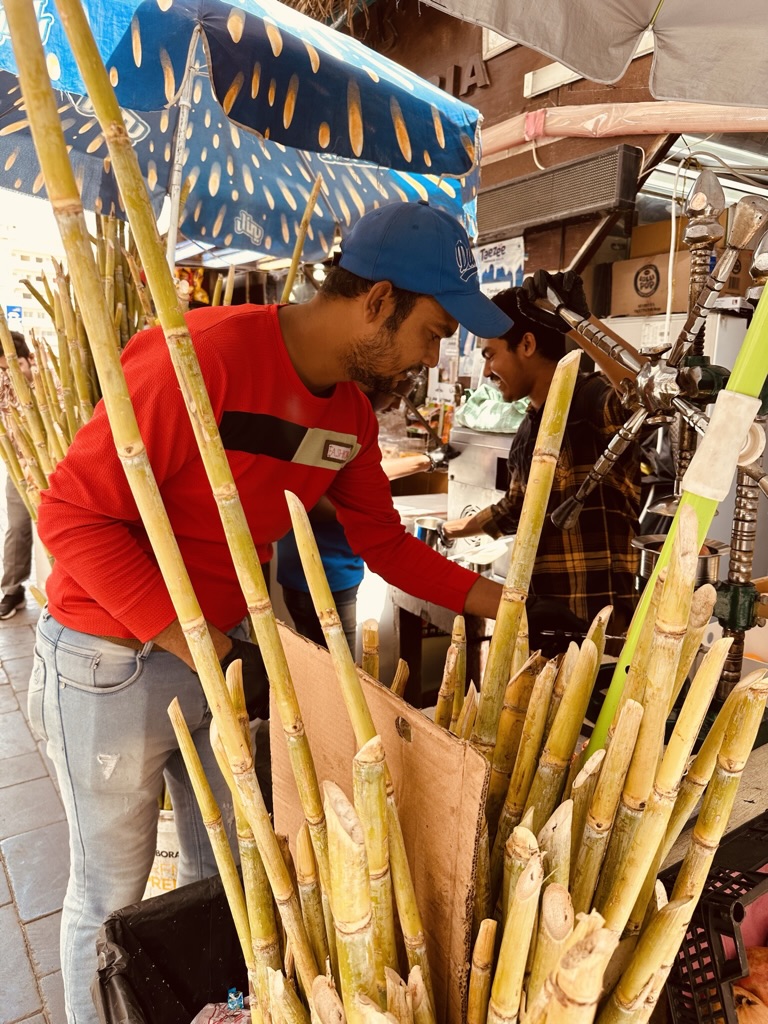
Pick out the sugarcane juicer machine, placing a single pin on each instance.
(672, 384)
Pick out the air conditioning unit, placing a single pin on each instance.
(594, 184)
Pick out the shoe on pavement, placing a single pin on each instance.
(11, 603)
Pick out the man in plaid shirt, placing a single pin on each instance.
(579, 571)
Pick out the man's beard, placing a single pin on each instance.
(369, 363)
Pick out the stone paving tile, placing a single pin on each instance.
(43, 939)
(53, 994)
(5, 889)
(8, 699)
(15, 737)
(19, 671)
(28, 806)
(17, 982)
(23, 768)
(38, 866)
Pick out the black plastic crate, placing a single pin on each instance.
(713, 954)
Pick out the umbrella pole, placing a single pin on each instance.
(302, 234)
(174, 190)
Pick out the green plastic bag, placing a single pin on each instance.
(485, 409)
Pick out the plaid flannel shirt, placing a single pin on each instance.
(593, 564)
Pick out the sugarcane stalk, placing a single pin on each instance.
(667, 784)
(555, 927)
(553, 764)
(55, 448)
(351, 902)
(507, 987)
(483, 899)
(721, 792)
(634, 688)
(36, 295)
(400, 680)
(515, 590)
(444, 707)
(421, 1002)
(554, 841)
(23, 442)
(370, 663)
(121, 300)
(603, 807)
(648, 799)
(565, 667)
(459, 641)
(62, 191)
(700, 772)
(25, 398)
(286, 1005)
(577, 983)
(139, 288)
(214, 826)
(29, 495)
(582, 791)
(363, 729)
(481, 972)
(522, 650)
(73, 345)
(301, 234)
(43, 369)
(64, 371)
(370, 800)
(218, 289)
(326, 1002)
(702, 606)
(511, 720)
(229, 286)
(525, 767)
(398, 998)
(110, 243)
(652, 959)
(597, 630)
(468, 713)
(310, 896)
(518, 850)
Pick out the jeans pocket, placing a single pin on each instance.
(35, 696)
(105, 670)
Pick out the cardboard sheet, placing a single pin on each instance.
(440, 785)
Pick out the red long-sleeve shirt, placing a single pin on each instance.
(278, 436)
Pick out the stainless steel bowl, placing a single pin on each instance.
(427, 529)
(707, 571)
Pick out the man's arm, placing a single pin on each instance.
(483, 598)
(172, 639)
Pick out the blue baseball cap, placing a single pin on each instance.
(424, 250)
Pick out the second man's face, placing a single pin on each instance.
(506, 369)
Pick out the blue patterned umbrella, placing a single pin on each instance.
(311, 101)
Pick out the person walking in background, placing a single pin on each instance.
(17, 545)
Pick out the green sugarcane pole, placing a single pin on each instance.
(62, 192)
(515, 591)
(187, 368)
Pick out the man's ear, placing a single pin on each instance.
(378, 301)
(527, 346)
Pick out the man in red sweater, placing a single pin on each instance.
(110, 654)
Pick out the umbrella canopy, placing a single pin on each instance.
(704, 52)
(245, 192)
(311, 100)
(275, 71)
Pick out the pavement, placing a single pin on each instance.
(34, 855)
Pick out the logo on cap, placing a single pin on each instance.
(465, 261)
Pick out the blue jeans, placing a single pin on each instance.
(102, 710)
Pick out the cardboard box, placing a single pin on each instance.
(639, 287)
(649, 239)
(440, 785)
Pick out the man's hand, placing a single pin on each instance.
(452, 529)
(440, 457)
(255, 681)
(569, 289)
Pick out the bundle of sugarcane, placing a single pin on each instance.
(603, 834)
